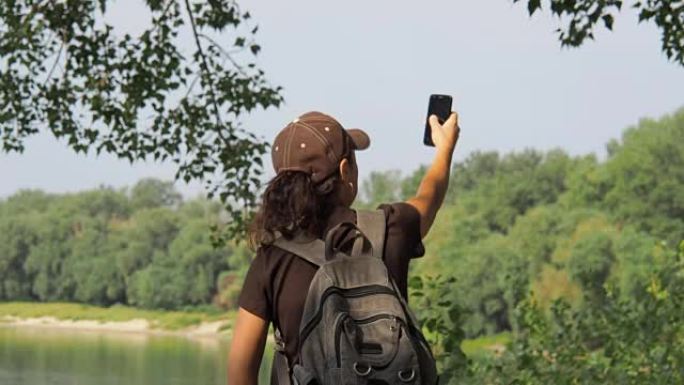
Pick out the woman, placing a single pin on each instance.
(315, 184)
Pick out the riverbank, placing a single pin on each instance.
(124, 319)
(192, 324)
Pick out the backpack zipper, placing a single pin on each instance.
(338, 331)
(347, 293)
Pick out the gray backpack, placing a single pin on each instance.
(356, 327)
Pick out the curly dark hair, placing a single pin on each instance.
(291, 203)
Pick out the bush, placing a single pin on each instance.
(625, 340)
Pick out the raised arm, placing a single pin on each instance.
(433, 187)
(246, 349)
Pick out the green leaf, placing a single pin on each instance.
(533, 5)
(608, 21)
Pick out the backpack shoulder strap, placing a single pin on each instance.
(373, 225)
(280, 369)
(312, 251)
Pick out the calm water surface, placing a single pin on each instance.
(31, 356)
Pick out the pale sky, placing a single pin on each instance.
(373, 65)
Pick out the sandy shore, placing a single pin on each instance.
(203, 330)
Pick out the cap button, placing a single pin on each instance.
(296, 120)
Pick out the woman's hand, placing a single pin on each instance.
(445, 136)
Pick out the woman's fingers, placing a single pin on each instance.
(446, 134)
(452, 121)
(434, 122)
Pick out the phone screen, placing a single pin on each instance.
(439, 105)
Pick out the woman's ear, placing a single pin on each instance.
(345, 170)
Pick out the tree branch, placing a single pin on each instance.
(204, 68)
(163, 14)
(54, 65)
(225, 53)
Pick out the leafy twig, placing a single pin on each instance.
(54, 65)
(225, 53)
(204, 68)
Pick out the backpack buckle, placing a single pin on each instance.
(361, 369)
(406, 375)
(279, 345)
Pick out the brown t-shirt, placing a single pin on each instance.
(278, 281)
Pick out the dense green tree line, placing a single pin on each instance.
(574, 255)
(561, 225)
(553, 223)
(144, 247)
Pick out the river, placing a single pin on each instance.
(38, 356)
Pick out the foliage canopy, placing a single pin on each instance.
(581, 17)
(139, 97)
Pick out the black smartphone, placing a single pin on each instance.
(439, 105)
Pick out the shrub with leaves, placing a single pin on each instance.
(441, 321)
(633, 340)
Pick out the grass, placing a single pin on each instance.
(158, 319)
(486, 345)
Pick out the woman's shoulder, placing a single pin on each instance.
(400, 214)
(268, 254)
(271, 259)
(403, 228)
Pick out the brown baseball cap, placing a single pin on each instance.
(315, 143)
